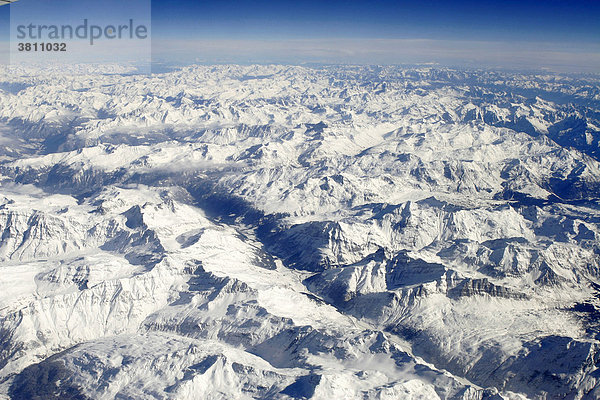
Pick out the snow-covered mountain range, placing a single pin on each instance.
(286, 232)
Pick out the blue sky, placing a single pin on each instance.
(564, 35)
(4, 21)
(422, 19)
(560, 35)
(4, 33)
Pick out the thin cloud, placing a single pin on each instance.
(384, 51)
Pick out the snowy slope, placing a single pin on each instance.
(287, 232)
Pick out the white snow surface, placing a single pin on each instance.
(285, 232)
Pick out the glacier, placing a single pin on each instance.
(290, 232)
